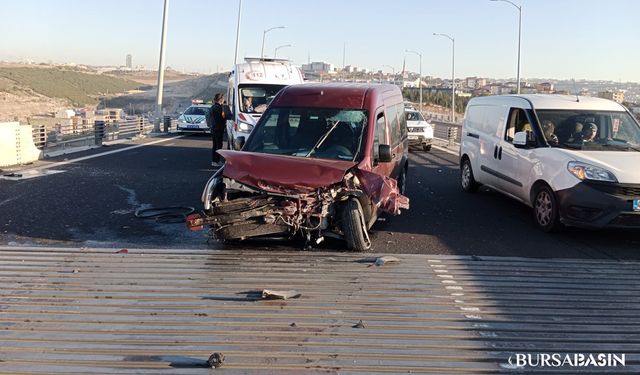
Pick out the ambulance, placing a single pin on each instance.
(252, 86)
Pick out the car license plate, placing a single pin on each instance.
(192, 126)
(413, 137)
(636, 204)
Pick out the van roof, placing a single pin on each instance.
(334, 95)
(553, 101)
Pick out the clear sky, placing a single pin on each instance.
(582, 39)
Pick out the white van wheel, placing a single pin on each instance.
(545, 209)
(467, 180)
(354, 227)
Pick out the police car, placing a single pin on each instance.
(194, 119)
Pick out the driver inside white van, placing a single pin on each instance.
(589, 132)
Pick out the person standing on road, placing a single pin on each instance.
(218, 126)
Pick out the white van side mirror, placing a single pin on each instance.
(520, 139)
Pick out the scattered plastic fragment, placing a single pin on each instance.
(359, 325)
(122, 251)
(293, 324)
(279, 294)
(381, 261)
(215, 360)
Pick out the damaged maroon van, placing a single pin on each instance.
(324, 160)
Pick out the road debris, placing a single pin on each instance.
(279, 294)
(381, 261)
(122, 251)
(215, 360)
(359, 325)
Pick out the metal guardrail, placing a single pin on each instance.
(447, 131)
(68, 136)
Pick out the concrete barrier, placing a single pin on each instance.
(16, 144)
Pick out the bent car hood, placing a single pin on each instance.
(283, 174)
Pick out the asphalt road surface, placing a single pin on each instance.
(91, 203)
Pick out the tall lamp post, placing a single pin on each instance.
(235, 55)
(453, 74)
(519, 7)
(420, 80)
(163, 43)
(275, 52)
(264, 33)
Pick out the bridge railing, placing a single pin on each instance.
(67, 137)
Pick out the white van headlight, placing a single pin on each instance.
(585, 171)
(244, 127)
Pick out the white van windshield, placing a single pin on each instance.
(590, 130)
(256, 98)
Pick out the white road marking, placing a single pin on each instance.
(58, 164)
(446, 150)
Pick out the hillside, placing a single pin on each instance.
(79, 88)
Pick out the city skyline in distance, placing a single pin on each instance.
(561, 40)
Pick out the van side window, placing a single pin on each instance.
(378, 139)
(403, 121)
(517, 122)
(394, 126)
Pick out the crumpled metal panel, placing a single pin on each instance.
(383, 192)
(283, 174)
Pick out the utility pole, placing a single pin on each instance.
(344, 54)
(163, 41)
(235, 55)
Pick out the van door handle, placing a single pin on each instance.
(500, 153)
(495, 152)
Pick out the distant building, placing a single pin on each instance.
(616, 96)
(545, 87)
(65, 113)
(318, 67)
(474, 82)
(350, 68)
(498, 89)
(129, 63)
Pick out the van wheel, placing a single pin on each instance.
(402, 181)
(545, 209)
(426, 148)
(467, 180)
(354, 227)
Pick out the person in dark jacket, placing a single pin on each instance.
(218, 125)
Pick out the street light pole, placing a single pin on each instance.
(453, 74)
(275, 52)
(264, 33)
(419, 80)
(519, 7)
(163, 43)
(235, 56)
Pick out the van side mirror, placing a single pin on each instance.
(524, 139)
(238, 143)
(384, 153)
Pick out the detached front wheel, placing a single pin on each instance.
(355, 227)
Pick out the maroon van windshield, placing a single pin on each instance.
(322, 133)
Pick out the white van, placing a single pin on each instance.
(574, 160)
(252, 86)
